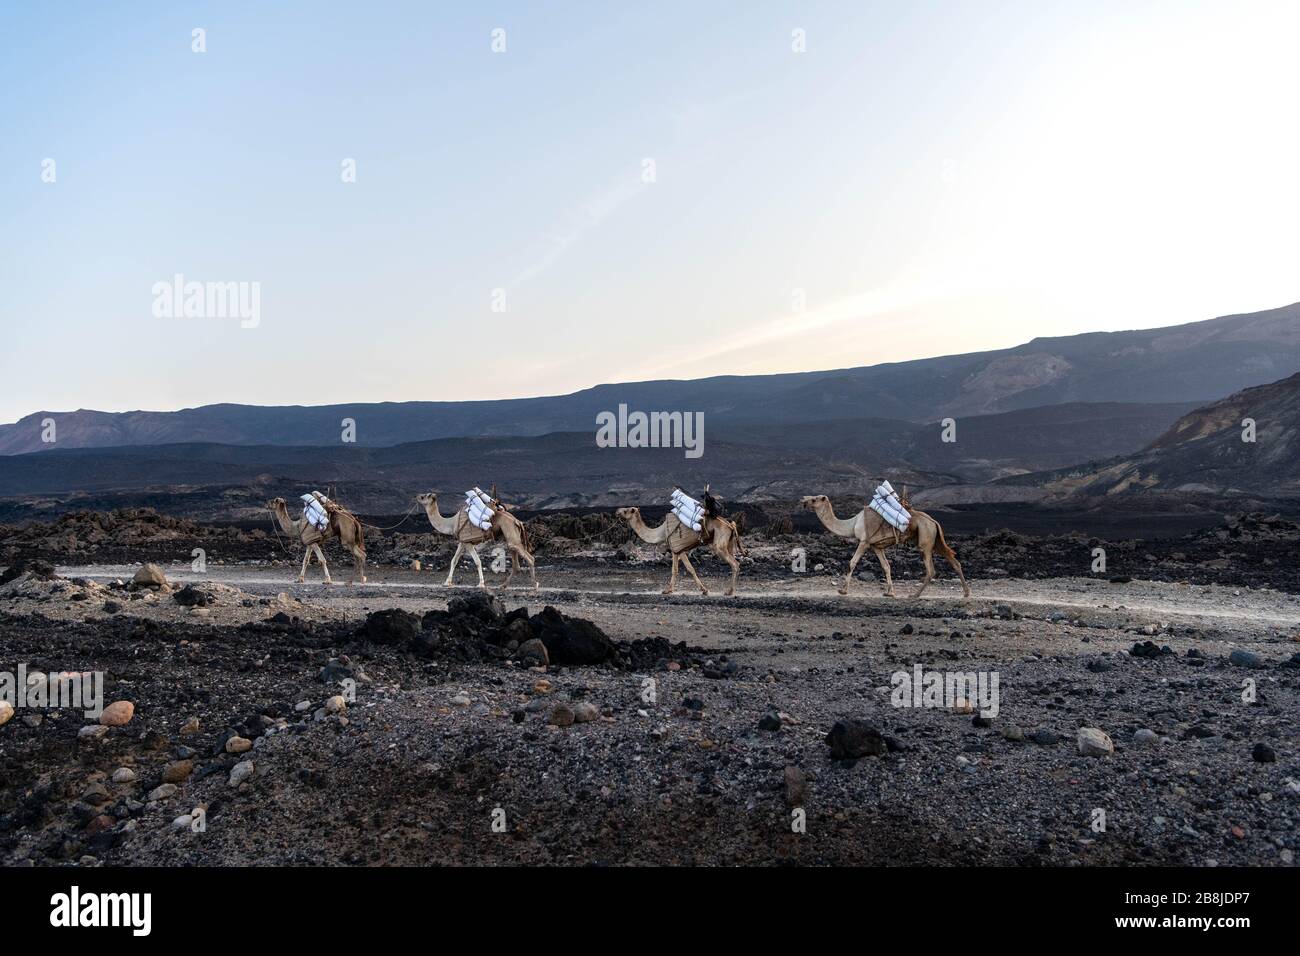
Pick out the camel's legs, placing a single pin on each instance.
(889, 580)
(532, 565)
(320, 556)
(853, 565)
(672, 578)
(956, 566)
(735, 569)
(510, 572)
(478, 563)
(359, 565)
(451, 571)
(691, 568)
(929, 573)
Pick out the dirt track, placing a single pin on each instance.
(414, 771)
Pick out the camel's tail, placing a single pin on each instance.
(946, 551)
(735, 536)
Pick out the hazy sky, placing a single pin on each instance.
(934, 178)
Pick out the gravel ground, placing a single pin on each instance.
(710, 750)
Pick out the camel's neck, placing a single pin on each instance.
(287, 524)
(647, 534)
(841, 526)
(440, 524)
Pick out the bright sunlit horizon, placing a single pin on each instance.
(662, 192)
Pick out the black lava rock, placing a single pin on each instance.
(571, 640)
(190, 596)
(1263, 753)
(390, 626)
(850, 739)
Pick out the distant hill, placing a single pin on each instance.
(1204, 453)
(1193, 363)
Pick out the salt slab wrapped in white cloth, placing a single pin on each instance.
(689, 511)
(478, 508)
(886, 504)
(313, 510)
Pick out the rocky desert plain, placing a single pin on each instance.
(1145, 714)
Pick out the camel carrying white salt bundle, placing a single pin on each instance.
(479, 508)
(886, 504)
(689, 511)
(315, 510)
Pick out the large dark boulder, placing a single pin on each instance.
(571, 640)
(479, 605)
(35, 566)
(390, 626)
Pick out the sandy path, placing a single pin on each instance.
(1144, 598)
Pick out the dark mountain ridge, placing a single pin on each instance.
(1196, 362)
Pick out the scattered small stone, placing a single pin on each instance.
(117, 714)
(584, 712)
(241, 772)
(336, 704)
(6, 712)
(533, 653)
(149, 576)
(460, 700)
(92, 731)
(162, 792)
(1094, 742)
(123, 775)
(1012, 732)
(1150, 649)
(238, 745)
(99, 824)
(1263, 753)
(1244, 658)
(769, 721)
(190, 727)
(1146, 738)
(177, 771)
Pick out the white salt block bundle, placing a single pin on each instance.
(886, 504)
(689, 511)
(479, 507)
(313, 510)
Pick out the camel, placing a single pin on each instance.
(872, 531)
(342, 525)
(470, 538)
(680, 540)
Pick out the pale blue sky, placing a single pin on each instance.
(935, 178)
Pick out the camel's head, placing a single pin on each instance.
(813, 502)
(627, 514)
(428, 498)
(275, 504)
